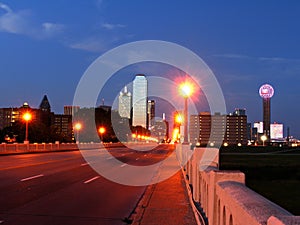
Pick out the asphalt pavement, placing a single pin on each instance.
(61, 188)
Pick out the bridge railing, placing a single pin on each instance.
(224, 197)
(22, 148)
(42, 147)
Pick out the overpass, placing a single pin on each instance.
(223, 196)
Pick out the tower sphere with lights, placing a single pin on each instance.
(266, 91)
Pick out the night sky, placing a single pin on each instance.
(46, 46)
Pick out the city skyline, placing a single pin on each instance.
(245, 44)
(127, 101)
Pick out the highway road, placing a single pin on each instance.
(61, 188)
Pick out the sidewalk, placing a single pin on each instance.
(166, 203)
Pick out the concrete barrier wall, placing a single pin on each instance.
(23, 148)
(26, 148)
(224, 197)
(46, 147)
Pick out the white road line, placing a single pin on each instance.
(33, 177)
(84, 164)
(110, 157)
(124, 164)
(90, 180)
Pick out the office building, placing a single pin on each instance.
(150, 113)
(259, 126)
(276, 130)
(194, 129)
(8, 116)
(70, 110)
(63, 126)
(239, 112)
(125, 103)
(236, 130)
(249, 132)
(139, 101)
(160, 130)
(207, 129)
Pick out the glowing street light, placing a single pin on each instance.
(27, 117)
(175, 134)
(263, 138)
(77, 127)
(178, 118)
(101, 130)
(186, 90)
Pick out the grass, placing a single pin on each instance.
(275, 176)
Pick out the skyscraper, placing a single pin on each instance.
(125, 103)
(45, 105)
(139, 101)
(45, 115)
(150, 113)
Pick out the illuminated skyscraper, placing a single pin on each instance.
(125, 103)
(139, 101)
(150, 113)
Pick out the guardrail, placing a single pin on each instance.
(224, 197)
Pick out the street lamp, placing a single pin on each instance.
(101, 131)
(77, 127)
(27, 117)
(178, 118)
(263, 138)
(186, 90)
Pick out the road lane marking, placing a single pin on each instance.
(124, 164)
(90, 180)
(110, 157)
(35, 164)
(33, 177)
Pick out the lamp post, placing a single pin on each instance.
(77, 127)
(27, 117)
(101, 131)
(186, 91)
(263, 138)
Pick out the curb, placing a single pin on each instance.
(138, 213)
(197, 214)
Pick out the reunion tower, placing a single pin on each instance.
(266, 91)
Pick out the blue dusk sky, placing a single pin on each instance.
(46, 46)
